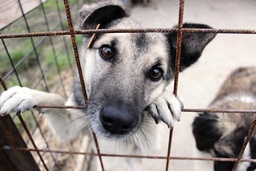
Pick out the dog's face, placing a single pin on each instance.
(223, 134)
(125, 72)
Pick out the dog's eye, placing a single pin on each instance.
(155, 74)
(106, 52)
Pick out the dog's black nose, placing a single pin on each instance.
(118, 118)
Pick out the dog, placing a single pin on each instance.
(127, 79)
(223, 134)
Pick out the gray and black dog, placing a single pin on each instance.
(127, 78)
(223, 134)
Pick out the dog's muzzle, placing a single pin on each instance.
(118, 118)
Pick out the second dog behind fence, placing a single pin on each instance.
(224, 134)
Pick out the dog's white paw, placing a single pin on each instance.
(16, 99)
(166, 108)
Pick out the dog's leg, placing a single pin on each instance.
(20, 99)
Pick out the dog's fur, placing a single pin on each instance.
(127, 78)
(223, 134)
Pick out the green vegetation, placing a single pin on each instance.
(50, 4)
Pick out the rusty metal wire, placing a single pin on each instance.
(129, 156)
(176, 72)
(152, 30)
(92, 37)
(219, 111)
(187, 110)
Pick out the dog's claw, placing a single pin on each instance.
(166, 108)
(153, 111)
(156, 119)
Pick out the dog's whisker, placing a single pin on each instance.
(135, 140)
(145, 138)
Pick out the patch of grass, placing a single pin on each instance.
(61, 59)
(65, 25)
(16, 56)
(79, 40)
(52, 4)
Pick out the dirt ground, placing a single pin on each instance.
(199, 84)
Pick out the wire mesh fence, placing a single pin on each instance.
(47, 52)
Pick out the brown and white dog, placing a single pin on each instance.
(223, 134)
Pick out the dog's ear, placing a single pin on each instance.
(206, 131)
(101, 13)
(192, 47)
